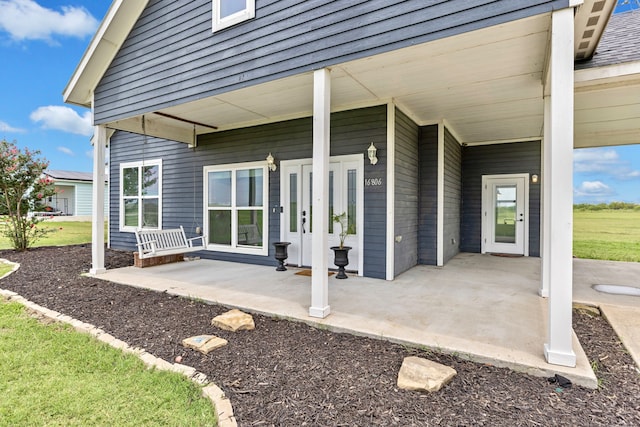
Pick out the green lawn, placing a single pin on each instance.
(598, 234)
(4, 268)
(54, 376)
(607, 234)
(64, 233)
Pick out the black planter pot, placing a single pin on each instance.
(281, 254)
(341, 259)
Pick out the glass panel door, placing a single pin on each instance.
(505, 213)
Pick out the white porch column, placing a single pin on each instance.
(320, 201)
(546, 196)
(97, 202)
(558, 350)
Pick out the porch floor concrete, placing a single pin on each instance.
(481, 307)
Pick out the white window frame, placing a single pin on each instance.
(139, 165)
(235, 247)
(220, 23)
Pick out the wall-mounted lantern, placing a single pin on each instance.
(371, 151)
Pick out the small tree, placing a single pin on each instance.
(23, 189)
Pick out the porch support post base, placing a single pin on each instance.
(560, 358)
(319, 312)
(94, 271)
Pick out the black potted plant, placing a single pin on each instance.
(281, 254)
(341, 253)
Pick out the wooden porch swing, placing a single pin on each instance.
(157, 247)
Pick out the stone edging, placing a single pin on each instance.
(221, 403)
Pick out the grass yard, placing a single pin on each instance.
(54, 376)
(607, 234)
(64, 233)
(4, 268)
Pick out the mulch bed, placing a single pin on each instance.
(289, 374)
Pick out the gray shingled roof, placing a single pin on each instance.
(70, 175)
(619, 44)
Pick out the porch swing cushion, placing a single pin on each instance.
(156, 243)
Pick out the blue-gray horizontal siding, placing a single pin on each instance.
(521, 157)
(406, 193)
(452, 196)
(428, 195)
(171, 56)
(182, 174)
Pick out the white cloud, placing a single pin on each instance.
(27, 20)
(64, 119)
(6, 127)
(66, 150)
(605, 161)
(595, 189)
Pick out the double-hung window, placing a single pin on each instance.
(236, 208)
(141, 195)
(230, 12)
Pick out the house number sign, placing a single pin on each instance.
(374, 184)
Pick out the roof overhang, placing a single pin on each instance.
(607, 105)
(112, 33)
(591, 18)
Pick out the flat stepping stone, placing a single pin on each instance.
(234, 320)
(420, 374)
(204, 343)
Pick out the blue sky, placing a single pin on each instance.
(42, 41)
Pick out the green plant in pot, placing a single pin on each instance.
(341, 253)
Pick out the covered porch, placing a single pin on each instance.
(454, 83)
(482, 307)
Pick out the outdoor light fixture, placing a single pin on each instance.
(270, 163)
(372, 154)
(534, 178)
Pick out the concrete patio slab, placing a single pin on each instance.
(622, 311)
(479, 307)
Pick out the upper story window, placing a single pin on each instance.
(230, 12)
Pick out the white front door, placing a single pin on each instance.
(345, 195)
(505, 214)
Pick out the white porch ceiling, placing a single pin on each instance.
(486, 84)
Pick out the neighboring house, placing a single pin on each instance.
(73, 193)
(469, 105)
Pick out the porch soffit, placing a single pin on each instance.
(486, 84)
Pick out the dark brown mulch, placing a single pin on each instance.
(289, 374)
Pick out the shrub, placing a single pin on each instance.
(22, 190)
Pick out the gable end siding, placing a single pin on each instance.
(171, 56)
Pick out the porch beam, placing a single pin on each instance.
(320, 201)
(559, 349)
(154, 127)
(97, 202)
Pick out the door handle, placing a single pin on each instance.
(304, 220)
